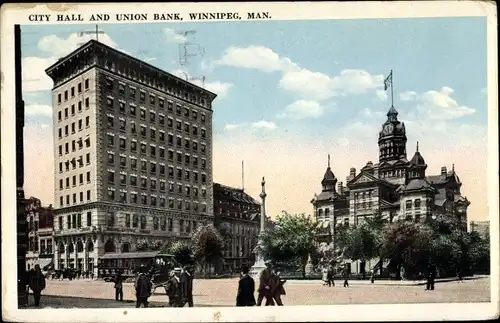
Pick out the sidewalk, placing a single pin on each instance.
(388, 282)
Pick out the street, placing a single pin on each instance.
(222, 292)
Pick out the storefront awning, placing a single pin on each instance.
(44, 262)
(130, 255)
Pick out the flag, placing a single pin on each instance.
(388, 82)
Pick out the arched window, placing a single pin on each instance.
(90, 246)
(79, 246)
(126, 247)
(71, 247)
(110, 246)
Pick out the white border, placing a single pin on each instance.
(18, 14)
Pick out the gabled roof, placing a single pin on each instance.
(364, 177)
(438, 179)
(418, 184)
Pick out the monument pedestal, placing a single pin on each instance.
(257, 268)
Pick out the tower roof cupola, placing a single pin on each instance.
(329, 180)
(417, 159)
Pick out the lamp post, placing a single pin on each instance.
(259, 264)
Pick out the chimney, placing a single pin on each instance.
(340, 189)
(353, 172)
(443, 171)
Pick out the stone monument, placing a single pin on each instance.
(259, 255)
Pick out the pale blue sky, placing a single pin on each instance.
(308, 88)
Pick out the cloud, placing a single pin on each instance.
(368, 113)
(217, 87)
(59, 47)
(34, 77)
(381, 94)
(305, 83)
(255, 57)
(36, 110)
(264, 125)
(439, 105)
(408, 95)
(173, 37)
(302, 109)
(232, 126)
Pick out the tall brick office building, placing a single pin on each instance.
(133, 155)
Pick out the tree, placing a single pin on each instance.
(359, 243)
(480, 253)
(182, 252)
(207, 245)
(406, 244)
(291, 240)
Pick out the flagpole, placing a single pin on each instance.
(392, 90)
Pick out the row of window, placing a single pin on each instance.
(143, 183)
(79, 88)
(179, 125)
(153, 200)
(65, 166)
(409, 204)
(76, 180)
(74, 143)
(73, 127)
(188, 144)
(74, 221)
(74, 199)
(132, 95)
(160, 171)
(72, 110)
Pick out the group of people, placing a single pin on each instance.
(271, 287)
(179, 287)
(329, 275)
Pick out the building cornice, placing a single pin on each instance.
(93, 47)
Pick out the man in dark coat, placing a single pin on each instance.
(265, 285)
(143, 288)
(119, 286)
(37, 284)
(277, 288)
(186, 281)
(431, 276)
(174, 290)
(345, 274)
(246, 289)
(330, 276)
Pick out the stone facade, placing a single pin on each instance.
(239, 216)
(394, 188)
(133, 155)
(40, 225)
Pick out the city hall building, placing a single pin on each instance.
(395, 188)
(133, 156)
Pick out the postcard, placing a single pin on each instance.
(303, 161)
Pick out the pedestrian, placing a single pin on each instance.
(431, 276)
(186, 281)
(143, 288)
(459, 275)
(345, 275)
(174, 290)
(246, 289)
(119, 286)
(372, 276)
(265, 285)
(277, 288)
(331, 276)
(37, 284)
(325, 277)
